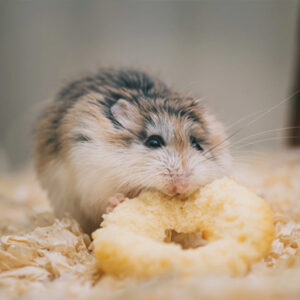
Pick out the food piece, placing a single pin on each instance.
(236, 224)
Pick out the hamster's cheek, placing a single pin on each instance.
(203, 172)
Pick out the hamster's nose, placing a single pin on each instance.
(179, 186)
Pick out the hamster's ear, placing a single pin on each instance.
(125, 113)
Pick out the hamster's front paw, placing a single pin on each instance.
(114, 201)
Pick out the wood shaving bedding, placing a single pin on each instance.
(45, 258)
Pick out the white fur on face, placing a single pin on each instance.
(156, 168)
(105, 169)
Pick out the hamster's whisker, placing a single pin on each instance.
(253, 158)
(260, 115)
(268, 110)
(244, 118)
(243, 163)
(266, 132)
(264, 140)
(250, 158)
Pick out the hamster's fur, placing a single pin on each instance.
(122, 131)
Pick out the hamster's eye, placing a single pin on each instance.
(155, 141)
(195, 144)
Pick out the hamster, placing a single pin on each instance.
(115, 133)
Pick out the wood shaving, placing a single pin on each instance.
(45, 258)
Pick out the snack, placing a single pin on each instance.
(236, 224)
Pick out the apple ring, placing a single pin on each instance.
(236, 224)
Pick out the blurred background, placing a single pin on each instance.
(238, 55)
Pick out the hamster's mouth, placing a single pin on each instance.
(172, 194)
(132, 193)
(180, 196)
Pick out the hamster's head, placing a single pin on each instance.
(173, 145)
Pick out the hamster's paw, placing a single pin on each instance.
(114, 201)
